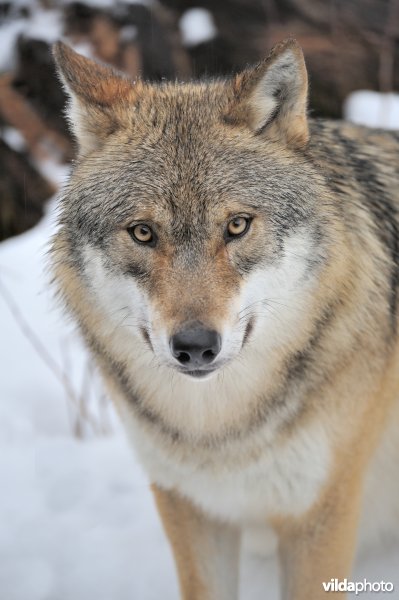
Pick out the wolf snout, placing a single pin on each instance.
(195, 347)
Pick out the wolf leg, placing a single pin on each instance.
(320, 546)
(206, 552)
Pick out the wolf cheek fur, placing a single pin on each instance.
(292, 409)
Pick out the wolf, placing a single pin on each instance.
(233, 266)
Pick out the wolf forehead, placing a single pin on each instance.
(177, 158)
(192, 166)
(192, 149)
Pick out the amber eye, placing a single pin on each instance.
(237, 227)
(142, 234)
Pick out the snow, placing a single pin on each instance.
(45, 25)
(197, 26)
(41, 24)
(13, 138)
(9, 33)
(373, 109)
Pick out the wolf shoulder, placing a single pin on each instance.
(359, 157)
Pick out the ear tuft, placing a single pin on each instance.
(97, 96)
(272, 97)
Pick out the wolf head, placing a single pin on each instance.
(193, 212)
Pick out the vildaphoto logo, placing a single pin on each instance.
(358, 587)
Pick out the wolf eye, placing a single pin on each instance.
(237, 227)
(142, 234)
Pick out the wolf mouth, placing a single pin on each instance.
(198, 373)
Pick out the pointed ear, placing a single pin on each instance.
(97, 94)
(272, 97)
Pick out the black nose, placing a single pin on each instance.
(195, 347)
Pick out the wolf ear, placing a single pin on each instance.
(97, 96)
(272, 97)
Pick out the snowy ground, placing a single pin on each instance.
(373, 109)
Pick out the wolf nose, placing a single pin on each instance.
(195, 347)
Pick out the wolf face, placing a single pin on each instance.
(192, 213)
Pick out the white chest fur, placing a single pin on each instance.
(282, 480)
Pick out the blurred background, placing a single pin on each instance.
(76, 517)
(349, 45)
